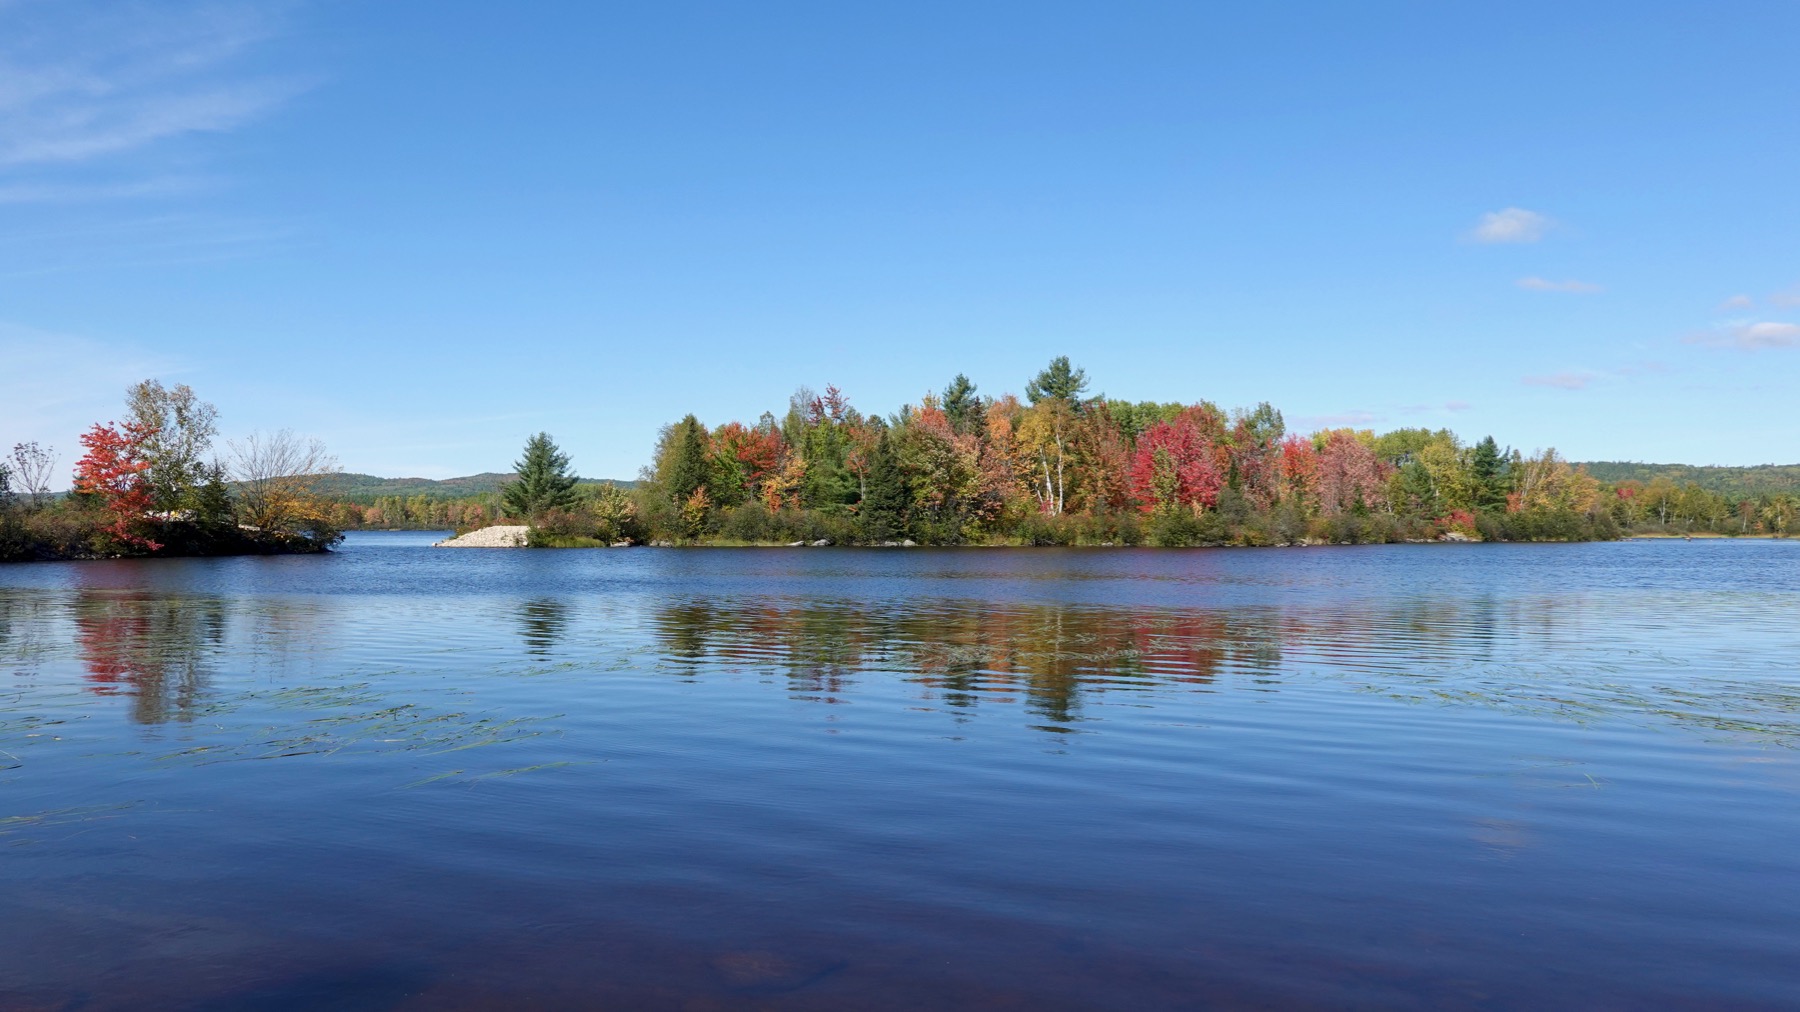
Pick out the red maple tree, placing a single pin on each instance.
(1299, 469)
(113, 469)
(1189, 452)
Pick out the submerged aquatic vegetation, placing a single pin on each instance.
(350, 719)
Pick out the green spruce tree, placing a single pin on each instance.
(883, 511)
(214, 511)
(689, 465)
(544, 481)
(961, 404)
(1488, 468)
(1058, 382)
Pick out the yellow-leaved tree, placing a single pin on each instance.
(277, 476)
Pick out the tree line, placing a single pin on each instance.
(153, 485)
(1058, 466)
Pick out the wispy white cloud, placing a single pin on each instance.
(83, 84)
(1432, 409)
(1537, 284)
(1512, 225)
(114, 241)
(1736, 302)
(1750, 335)
(1562, 380)
(64, 193)
(1787, 297)
(1339, 420)
(56, 385)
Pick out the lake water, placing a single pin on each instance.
(1397, 776)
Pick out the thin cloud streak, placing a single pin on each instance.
(152, 241)
(68, 193)
(1512, 225)
(1339, 420)
(82, 83)
(1537, 284)
(1561, 380)
(86, 134)
(1424, 409)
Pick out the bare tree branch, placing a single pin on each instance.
(34, 466)
(276, 475)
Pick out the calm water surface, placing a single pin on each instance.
(1405, 776)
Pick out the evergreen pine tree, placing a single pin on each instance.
(1489, 471)
(883, 511)
(213, 509)
(1058, 382)
(689, 466)
(544, 480)
(960, 403)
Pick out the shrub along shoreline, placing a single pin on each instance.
(753, 527)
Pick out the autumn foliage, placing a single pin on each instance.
(152, 485)
(112, 471)
(1175, 468)
(1062, 467)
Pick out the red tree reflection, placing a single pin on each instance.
(150, 648)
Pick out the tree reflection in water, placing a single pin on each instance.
(24, 631)
(1053, 656)
(156, 648)
(1056, 658)
(542, 622)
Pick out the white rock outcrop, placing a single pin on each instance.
(499, 536)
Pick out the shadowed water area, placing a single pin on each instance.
(1397, 776)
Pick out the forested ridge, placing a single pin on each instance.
(1060, 466)
(1735, 482)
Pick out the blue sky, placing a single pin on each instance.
(423, 231)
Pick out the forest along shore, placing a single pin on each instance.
(1058, 466)
(1055, 467)
(520, 536)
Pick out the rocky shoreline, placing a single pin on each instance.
(499, 536)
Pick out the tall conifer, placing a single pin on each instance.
(1489, 471)
(883, 511)
(544, 480)
(689, 466)
(960, 403)
(1059, 381)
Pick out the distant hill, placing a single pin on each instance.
(367, 487)
(1758, 480)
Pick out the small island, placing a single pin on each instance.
(1060, 467)
(151, 487)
